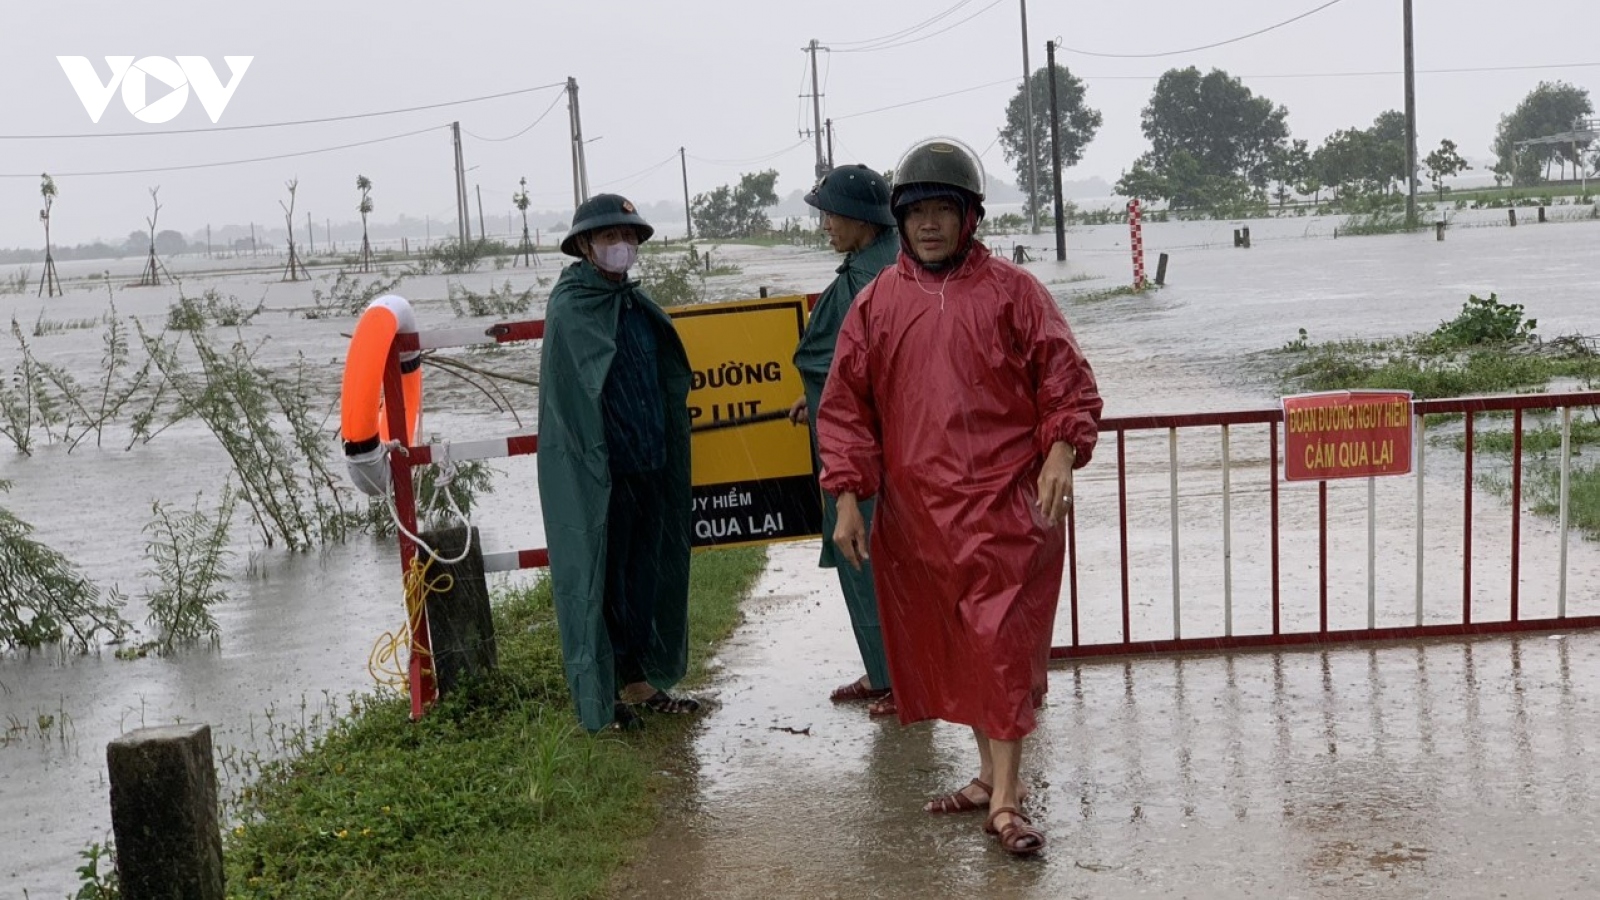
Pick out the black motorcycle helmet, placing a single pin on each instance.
(931, 168)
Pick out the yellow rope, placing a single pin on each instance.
(384, 661)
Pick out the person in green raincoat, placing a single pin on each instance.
(614, 474)
(854, 201)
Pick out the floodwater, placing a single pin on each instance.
(1456, 769)
(1299, 774)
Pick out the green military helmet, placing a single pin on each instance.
(603, 211)
(937, 161)
(855, 192)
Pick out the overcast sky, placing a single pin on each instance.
(721, 78)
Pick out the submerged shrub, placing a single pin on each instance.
(43, 597)
(188, 552)
(1483, 321)
(347, 296)
(501, 302)
(210, 308)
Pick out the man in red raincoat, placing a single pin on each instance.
(959, 399)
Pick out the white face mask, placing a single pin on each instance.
(616, 258)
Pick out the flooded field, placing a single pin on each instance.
(298, 628)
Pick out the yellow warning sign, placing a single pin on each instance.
(751, 469)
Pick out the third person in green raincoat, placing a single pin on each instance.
(854, 201)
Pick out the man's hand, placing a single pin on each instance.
(1055, 482)
(797, 412)
(851, 533)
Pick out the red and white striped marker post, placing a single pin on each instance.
(1136, 241)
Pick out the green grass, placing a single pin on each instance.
(1126, 290)
(495, 793)
(1376, 223)
(1539, 439)
(1528, 193)
(1541, 449)
(1583, 500)
(1428, 378)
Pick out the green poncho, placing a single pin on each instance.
(814, 356)
(575, 485)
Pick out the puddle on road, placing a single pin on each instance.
(1322, 773)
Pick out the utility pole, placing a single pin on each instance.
(483, 233)
(580, 168)
(1027, 107)
(688, 223)
(816, 111)
(463, 227)
(1411, 121)
(1055, 152)
(829, 126)
(311, 237)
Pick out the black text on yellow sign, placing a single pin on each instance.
(751, 469)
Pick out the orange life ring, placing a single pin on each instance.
(362, 422)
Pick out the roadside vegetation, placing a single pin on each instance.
(496, 792)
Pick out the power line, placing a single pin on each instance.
(345, 118)
(1461, 70)
(639, 174)
(1242, 37)
(868, 112)
(931, 34)
(524, 131)
(1457, 71)
(741, 162)
(232, 162)
(904, 32)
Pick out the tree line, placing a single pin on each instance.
(1216, 145)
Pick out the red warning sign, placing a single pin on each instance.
(1346, 434)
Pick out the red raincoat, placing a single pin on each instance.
(944, 397)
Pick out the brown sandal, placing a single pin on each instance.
(1017, 837)
(957, 801)
(855, 690)
(884, 706)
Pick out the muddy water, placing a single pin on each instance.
(1446, 769)
(298, 629)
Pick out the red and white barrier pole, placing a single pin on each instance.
(1136, 242)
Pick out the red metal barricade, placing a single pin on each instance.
(1114, 599)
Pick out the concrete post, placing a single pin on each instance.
(164, 813)
(1512, 212)
(459, 621)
